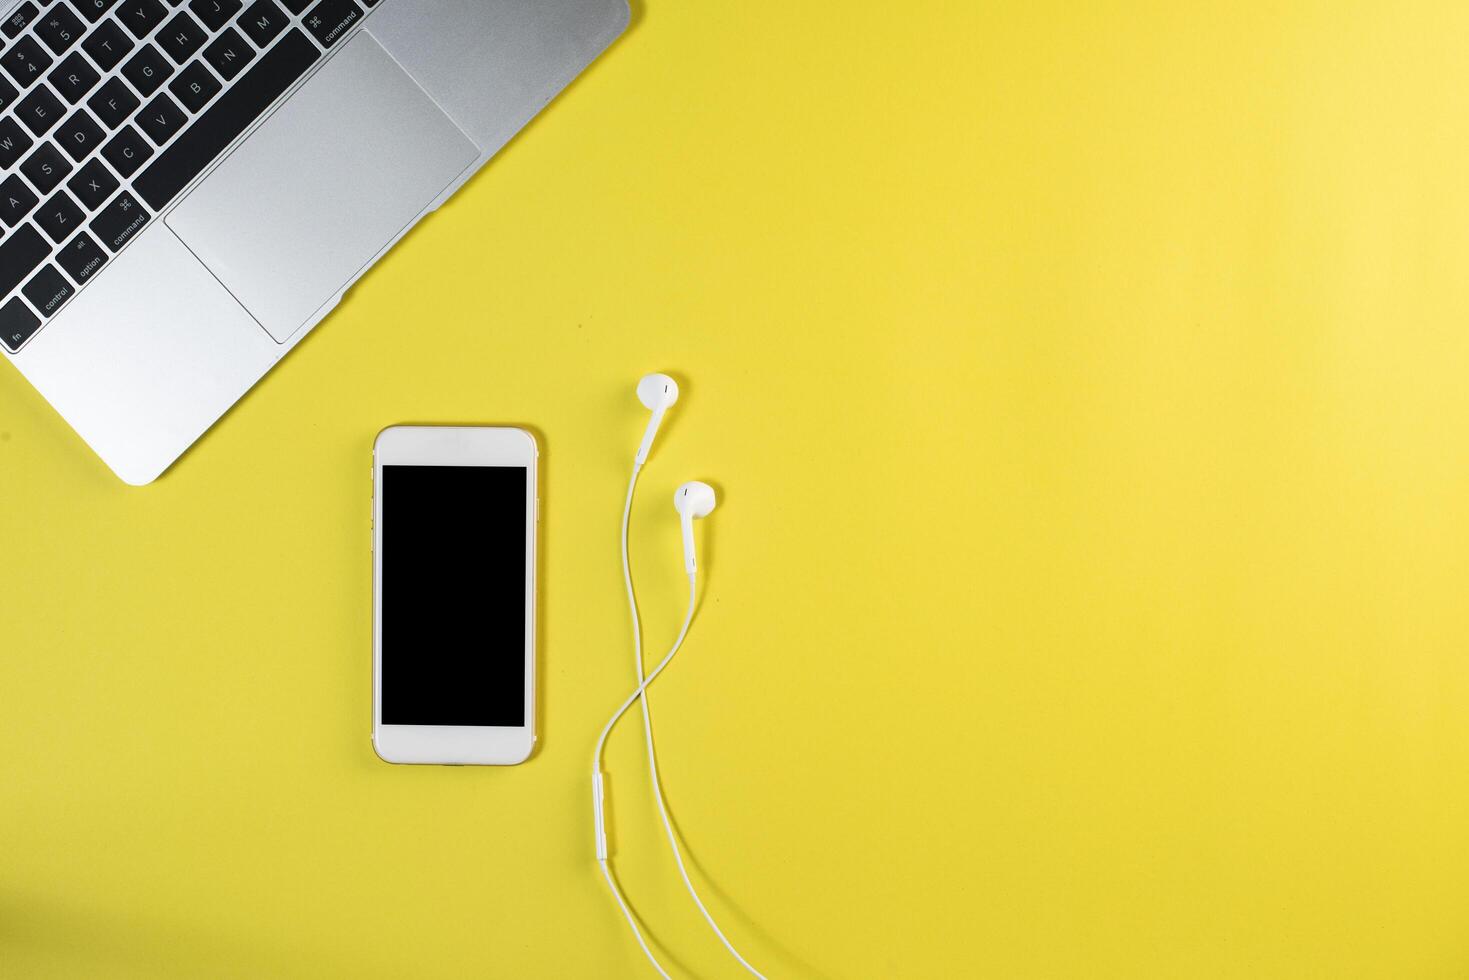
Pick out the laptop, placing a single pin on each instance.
(190, 186)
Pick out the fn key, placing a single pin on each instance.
(17, 323)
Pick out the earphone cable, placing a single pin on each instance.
(627, 913)
(641, 696)
(597, 798)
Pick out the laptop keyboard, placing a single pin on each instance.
(110, 108)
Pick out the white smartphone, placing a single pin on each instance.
(454, 595)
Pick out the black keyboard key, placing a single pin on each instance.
(59, 217)
(16, 201)
(331, 19)
(74, 77)
(8, 94)
(46, 167)
(127, 151)
(59, 28)
(194, 87)
(14, 141)
(40, 111)
(79, 135)
(107, 44)
(82, 257)
(214, 13)
(119, 221)
(113, 103)
(93, 9)
(161, 119)
(16, 22)
(25, 61)
(17, 323)
(263, 21)
(147, 70)
(252, 93)
(20, 253)
(229, 54)
(93, 184)
(296, 6)
(141, 16)
(48, 290)
(181, 37)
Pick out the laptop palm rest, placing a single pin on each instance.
(295, 213)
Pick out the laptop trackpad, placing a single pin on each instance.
(297, 211)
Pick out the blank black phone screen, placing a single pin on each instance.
(453, 543)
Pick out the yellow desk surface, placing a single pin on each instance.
(1088, 389)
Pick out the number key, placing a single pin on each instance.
(25, 61)
(93, 9)
(59, 29)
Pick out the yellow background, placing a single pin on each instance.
(1086, 385)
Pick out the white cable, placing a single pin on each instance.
(597, 815)
(641, 695)
(627, 912)
(653, 756)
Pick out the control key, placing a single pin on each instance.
(20, 253)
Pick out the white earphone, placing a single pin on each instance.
(692, 501)
(657, 392)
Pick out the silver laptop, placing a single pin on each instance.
(189, 186)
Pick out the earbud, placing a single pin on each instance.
(693, 499)
(657, 392)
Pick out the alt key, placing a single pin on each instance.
(82, 257)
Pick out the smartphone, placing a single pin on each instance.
(454, 516)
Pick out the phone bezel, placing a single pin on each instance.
(424, 445)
